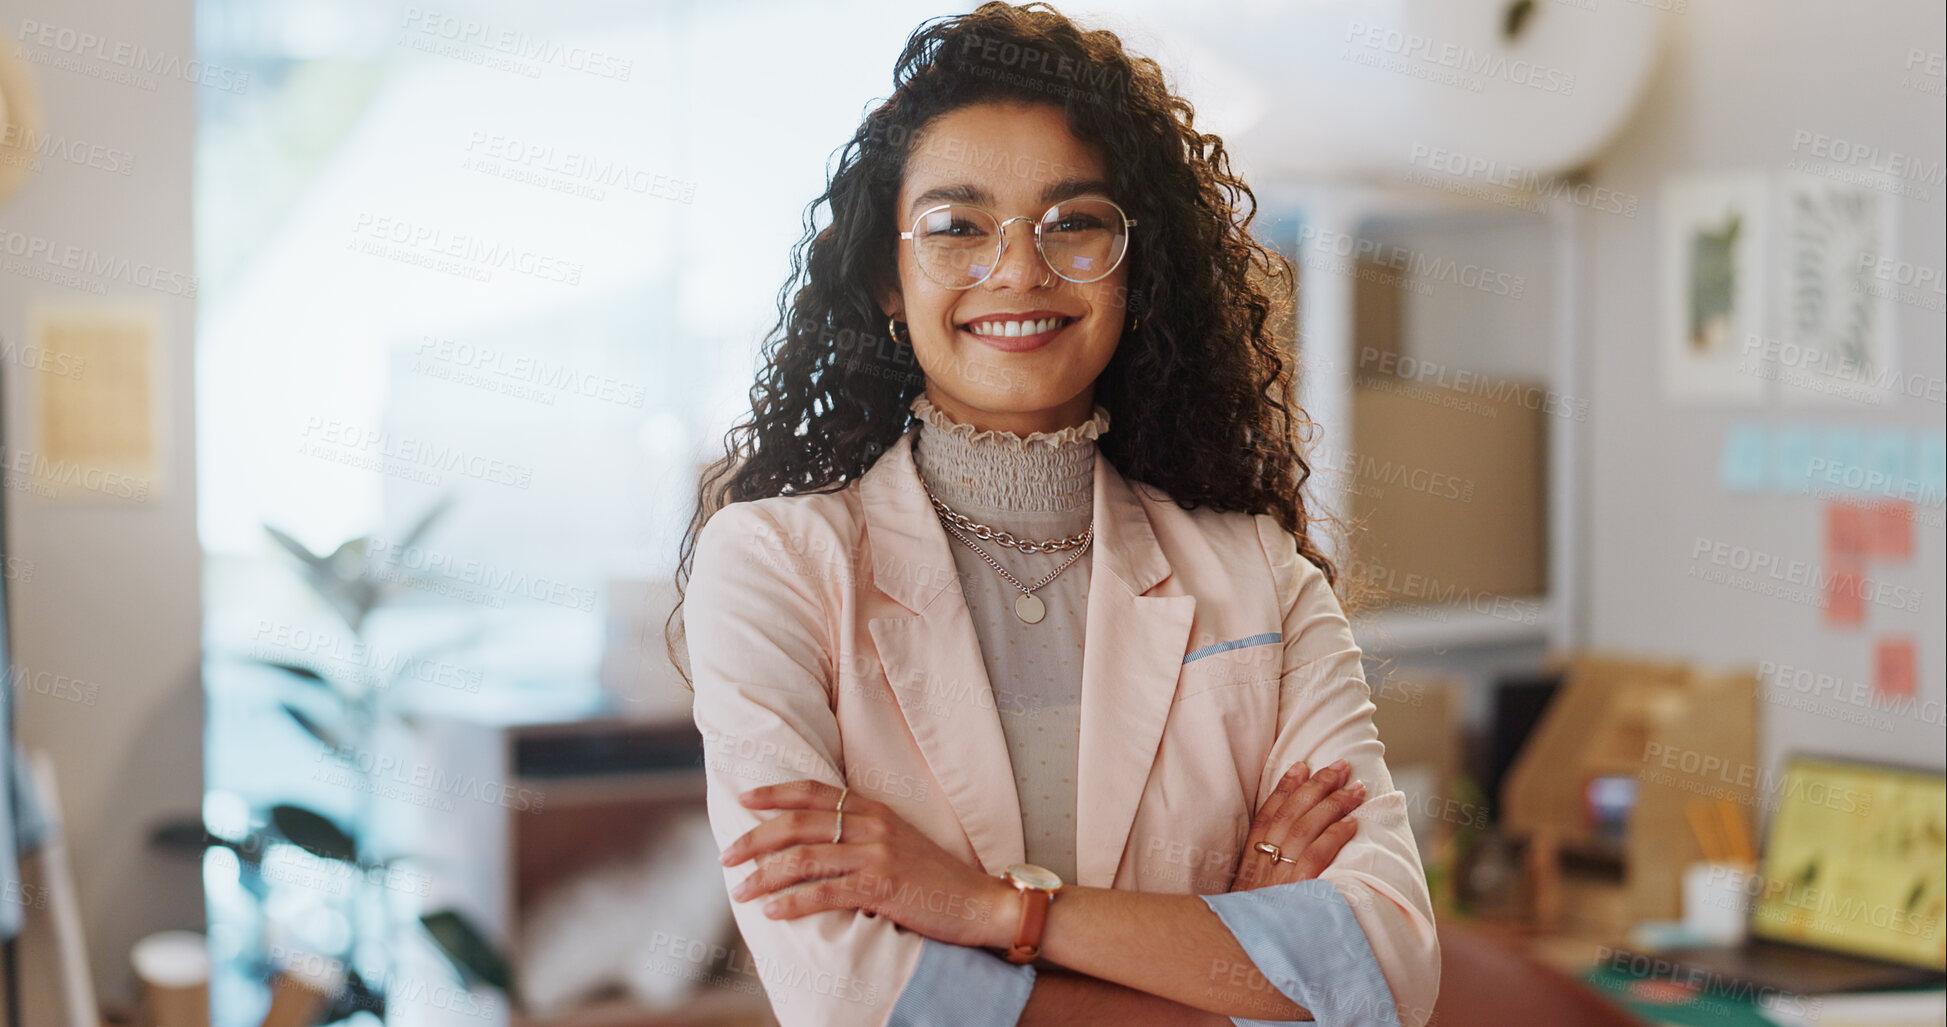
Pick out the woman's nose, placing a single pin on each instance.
(1021, 266)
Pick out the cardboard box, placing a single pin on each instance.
(1447, 489)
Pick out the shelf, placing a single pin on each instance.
(1342, 322)
(1408, 628)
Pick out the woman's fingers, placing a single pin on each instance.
(1303, 799)
(806, 793)
(801, 863)
(1327, 811)
(809, 815)
(795, 827)
(845, 892)
(1294, 776)
(1311, 828)
(1323, 850)
(1302, 806)
(1297, 794)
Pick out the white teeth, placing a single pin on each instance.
(1015, 329)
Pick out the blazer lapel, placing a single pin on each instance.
(1134, 645)
(1130, 662)
(932, 659)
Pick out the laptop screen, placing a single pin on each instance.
(1856, 862)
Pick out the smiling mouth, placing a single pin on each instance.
(1017, 329)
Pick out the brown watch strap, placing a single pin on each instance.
(1034, 919)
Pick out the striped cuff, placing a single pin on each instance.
(1305, 941)
(961, 986)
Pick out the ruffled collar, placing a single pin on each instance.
(988, 472)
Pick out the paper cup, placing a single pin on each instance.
(1717, 902)
(174, 967)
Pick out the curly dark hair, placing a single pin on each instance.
(1201, 394)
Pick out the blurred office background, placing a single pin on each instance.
(359, 358)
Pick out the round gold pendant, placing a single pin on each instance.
(1030, 608)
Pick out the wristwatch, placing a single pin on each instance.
(1038, 886)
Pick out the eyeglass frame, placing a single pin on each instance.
(1127, 223)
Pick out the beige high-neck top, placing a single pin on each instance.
(1039, 486)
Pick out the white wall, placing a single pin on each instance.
(112, 594)
(1739, 79)
(1504, 337)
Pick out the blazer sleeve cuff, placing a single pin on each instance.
(961, 986)
(1305, 941)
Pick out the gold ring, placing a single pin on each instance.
(840, 832)
(1273, 851)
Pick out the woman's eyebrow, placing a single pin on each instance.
(1069, 188)
(961, 192)
(958, 193)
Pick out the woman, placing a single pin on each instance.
(1024, 694)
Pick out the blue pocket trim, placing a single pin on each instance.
(1236, 643)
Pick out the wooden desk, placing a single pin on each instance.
(1490, 977)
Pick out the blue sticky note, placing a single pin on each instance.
(1841, 460)
(1887, 465)
(1930, 467)
(1742, 467)
(1793, 448)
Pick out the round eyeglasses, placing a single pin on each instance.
(958, 245)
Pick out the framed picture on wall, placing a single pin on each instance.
(1839, 279)
(1711, 252)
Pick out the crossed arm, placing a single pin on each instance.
(1137, 957)
(1063, 997)
(1175, 948)
(1172, 946)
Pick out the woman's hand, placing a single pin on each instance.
(881, 865)
(1308, 818)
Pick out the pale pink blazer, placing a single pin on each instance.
(828, 639)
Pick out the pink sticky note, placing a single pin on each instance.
(1845, 530)
(1844, 607)
(1895, 670)
(1889, 530)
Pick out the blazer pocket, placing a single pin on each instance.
(1196, 680)
(1253, 660)
(1219, 730)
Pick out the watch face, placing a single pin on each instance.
(1034, 877)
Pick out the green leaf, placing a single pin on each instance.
(315, 728)
(470, 951)
(314, 834)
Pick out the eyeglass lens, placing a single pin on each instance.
(1082, 240)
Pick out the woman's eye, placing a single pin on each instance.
(1077, 223)
(963, 229)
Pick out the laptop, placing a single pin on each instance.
(1852, 889)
